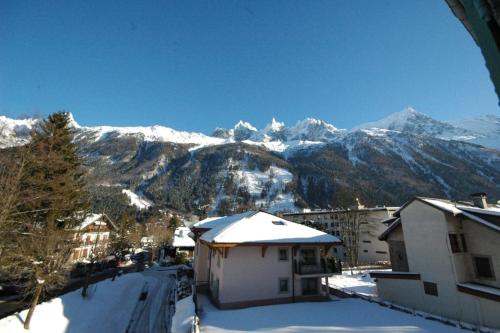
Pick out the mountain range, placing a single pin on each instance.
(279, 168)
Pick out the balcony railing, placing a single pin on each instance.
(323, 267)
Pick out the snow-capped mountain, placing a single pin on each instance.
(15, 132)
(311, 163)
(484, 130)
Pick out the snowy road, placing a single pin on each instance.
(154, 313)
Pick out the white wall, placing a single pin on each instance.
(248, 276)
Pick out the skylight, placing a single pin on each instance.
(279, 222)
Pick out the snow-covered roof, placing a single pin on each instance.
(181, 238)
(262, 227)
(211, 222)
(457, 209)
(492, 210)
(98, 219)
(443, 204)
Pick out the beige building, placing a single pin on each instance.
(446, 260)
(370, 248)
(94, 234)
(256, 258)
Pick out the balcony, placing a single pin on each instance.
(322, 268)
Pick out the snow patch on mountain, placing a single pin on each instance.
(137, 200)
(266, 188)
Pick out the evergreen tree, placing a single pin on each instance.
(54, 202)
(121, 241)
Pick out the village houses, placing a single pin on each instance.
(93, 234)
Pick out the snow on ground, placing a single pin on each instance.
(347, 315)
(108, 309)
(136, 200)
(183, 319)
(359, 282)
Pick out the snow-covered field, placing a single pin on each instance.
(348, 315)
(359, 282)
(108, 309)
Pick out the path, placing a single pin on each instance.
(154, 313)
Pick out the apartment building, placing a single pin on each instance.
(256, 258)
(370, 248)
(446, 259)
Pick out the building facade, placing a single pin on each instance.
(256, 258)
(370, 248)
(93, 236)
(446, 260)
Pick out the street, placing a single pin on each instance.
(154, 312)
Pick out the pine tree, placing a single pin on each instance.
(54, 202)
(120, 241)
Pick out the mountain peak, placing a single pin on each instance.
(274, 126)
(243, 124)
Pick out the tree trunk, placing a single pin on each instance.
(34, 302)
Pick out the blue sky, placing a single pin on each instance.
(195, 65)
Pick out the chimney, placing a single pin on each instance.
(479, 200)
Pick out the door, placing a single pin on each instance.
(310, 286)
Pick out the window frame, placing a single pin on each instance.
(430, 288)
(287, 254)
(490, 262)
(287, 280)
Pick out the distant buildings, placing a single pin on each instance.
(182, 242)
(256, 258)
(370, 248)
(93, 234)
(446, 259)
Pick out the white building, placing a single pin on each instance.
(256, 258)
(93, 234)
(446, 260)
(370, 248)
(182, 242)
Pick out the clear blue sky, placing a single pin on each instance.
(195, 65)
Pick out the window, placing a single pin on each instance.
(381, 252)
(283, 285)
(367, 241)
(278, 222)
(455, 248)
(482, 265)
(365, 251)
(334, 250)
(309, 286)
(283, 254)
(457, 243)
(218, 260)
(430, 288)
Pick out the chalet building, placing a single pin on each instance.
(370, 248)
(94, 234)
(182, 242)
(256, 258)
(446, 259)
